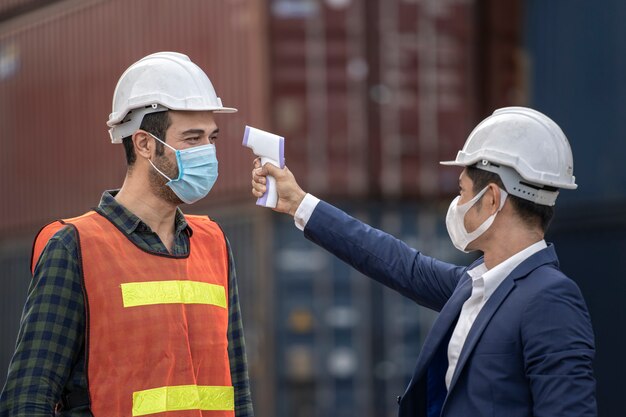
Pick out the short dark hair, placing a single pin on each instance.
(155, 123)
(531, 213)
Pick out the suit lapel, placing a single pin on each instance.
(481, 323)
(446, 318)
(545, 256)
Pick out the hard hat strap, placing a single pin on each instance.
(517, 186)
(132, 121)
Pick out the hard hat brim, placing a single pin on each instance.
(116, 118)
(225, 110)
(452, 163)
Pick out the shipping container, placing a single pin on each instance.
(14, 278)
(503, 70)
(319, 92)
(578, 79)
(58, 69)
(372, 94)
(11, 8)
(427, 104)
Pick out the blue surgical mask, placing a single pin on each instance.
(197, 172)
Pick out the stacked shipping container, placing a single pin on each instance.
(58, 68)
(12, 8)
(372, 94)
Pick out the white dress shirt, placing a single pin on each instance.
(305, 210)
(484, 283)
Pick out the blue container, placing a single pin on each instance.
(15, 278)
(578, 64)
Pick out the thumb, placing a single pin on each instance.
(271, 169)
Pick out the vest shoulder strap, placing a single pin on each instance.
(46, 233)
(206, 224)
(49, 230)
(193, 218)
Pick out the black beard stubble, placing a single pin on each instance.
(158, 183)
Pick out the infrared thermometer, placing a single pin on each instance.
(271, 148)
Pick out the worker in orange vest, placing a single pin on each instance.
(133, 309)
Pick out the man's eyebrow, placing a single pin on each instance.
(199, 131)
(196, 131)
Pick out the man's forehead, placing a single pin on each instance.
(193, 119)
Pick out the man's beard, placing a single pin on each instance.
(158, 183)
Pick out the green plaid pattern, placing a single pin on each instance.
(49, 359)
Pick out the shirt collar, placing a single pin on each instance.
(126, 221)
(492, 278)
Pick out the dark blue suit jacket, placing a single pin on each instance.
(529, 352)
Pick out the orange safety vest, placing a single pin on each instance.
(156, 336)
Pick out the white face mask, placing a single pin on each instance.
(456, 217)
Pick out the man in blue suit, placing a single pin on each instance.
(513, 337)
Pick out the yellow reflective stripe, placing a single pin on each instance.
(172, 292)
(183, 397)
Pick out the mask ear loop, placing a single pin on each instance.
(158, 170)
(503, 197)
(490, 219)
(475, 199)
(154, 166)
(169, 146)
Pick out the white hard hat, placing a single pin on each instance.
(158, 82)
(526, 148)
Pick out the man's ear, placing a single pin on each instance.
(493, 198)
(143, 144)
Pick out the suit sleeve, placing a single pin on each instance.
(382, 257)
(558, 351)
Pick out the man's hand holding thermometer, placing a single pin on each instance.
(272, 182)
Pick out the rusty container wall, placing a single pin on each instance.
(319, 91)
(372, 94)
(425, 93)
(503, 74)
(11, 8)
(58, 68)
